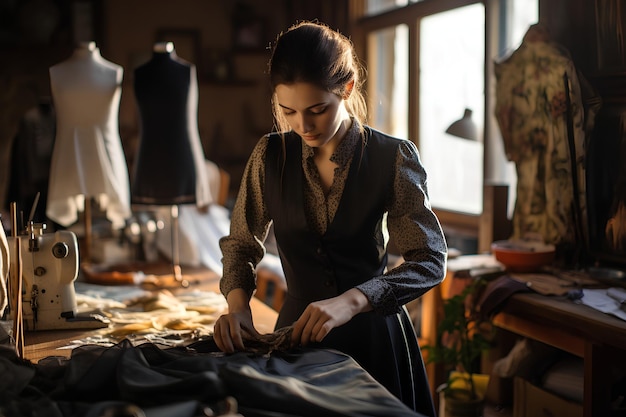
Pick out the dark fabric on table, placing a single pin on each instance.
(114, 381)
(495, 294)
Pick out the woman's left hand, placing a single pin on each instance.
(320, 317)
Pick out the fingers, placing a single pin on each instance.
(221, 336)
(308, 333)
(227, 333)
(298, 328)
(312, 326)
(235, 336)
(251, 332)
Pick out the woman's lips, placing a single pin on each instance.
(309, 137)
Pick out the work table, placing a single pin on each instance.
(168, 381)
(598, 338)
(41, 344)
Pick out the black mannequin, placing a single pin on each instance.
(169, 165)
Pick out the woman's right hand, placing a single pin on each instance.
(229, 329)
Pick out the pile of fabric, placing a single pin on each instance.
(196, 380)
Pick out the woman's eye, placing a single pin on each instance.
(318, 110)
(289, 113)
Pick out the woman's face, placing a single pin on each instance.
(314, 114)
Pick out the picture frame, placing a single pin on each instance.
(186, 43)
(249, 35)
(249, 28)
(217, 65)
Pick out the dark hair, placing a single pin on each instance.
(312, 52)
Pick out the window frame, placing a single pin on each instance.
(467, 224)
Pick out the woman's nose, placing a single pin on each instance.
(306, 124)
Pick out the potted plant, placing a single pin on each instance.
(462, 336)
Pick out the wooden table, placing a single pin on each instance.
(41, 344)
(598, 338)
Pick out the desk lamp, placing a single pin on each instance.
(464, 127)
(169, 168)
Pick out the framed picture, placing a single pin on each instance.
(249, 28)
(249, 35)
(186, 42)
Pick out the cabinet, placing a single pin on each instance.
(598, 338)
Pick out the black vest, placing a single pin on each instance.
(318, 267)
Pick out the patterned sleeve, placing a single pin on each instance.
(243, 248)
(415, 230)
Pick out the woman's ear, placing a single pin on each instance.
(348, 90)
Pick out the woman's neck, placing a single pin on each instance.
(328, 149)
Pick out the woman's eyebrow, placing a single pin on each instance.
(310, 107)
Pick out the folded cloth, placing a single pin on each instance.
(95, 380)
(497, 292)
(606, 300)
(279, 341)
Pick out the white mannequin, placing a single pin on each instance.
(88, 158)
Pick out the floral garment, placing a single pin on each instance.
(531, 110)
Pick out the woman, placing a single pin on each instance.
(334, 190)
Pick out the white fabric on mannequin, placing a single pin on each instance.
(88, 158)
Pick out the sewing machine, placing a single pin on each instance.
(49, 265)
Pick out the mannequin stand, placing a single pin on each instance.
(176, 269)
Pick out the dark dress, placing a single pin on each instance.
(319, 267)
(169, 164)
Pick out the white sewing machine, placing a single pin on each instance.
(49, 269)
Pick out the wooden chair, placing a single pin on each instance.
(270, 288)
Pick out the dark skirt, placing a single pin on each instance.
(386, 347)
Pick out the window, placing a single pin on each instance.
(374, 7)
(388, 82)
(451, 79)
(426, 65)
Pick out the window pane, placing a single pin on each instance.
(373, 7)
(388, 90)
(452, 79)
(521, 14)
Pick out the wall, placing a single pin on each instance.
(233, 112)
(593, 32)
